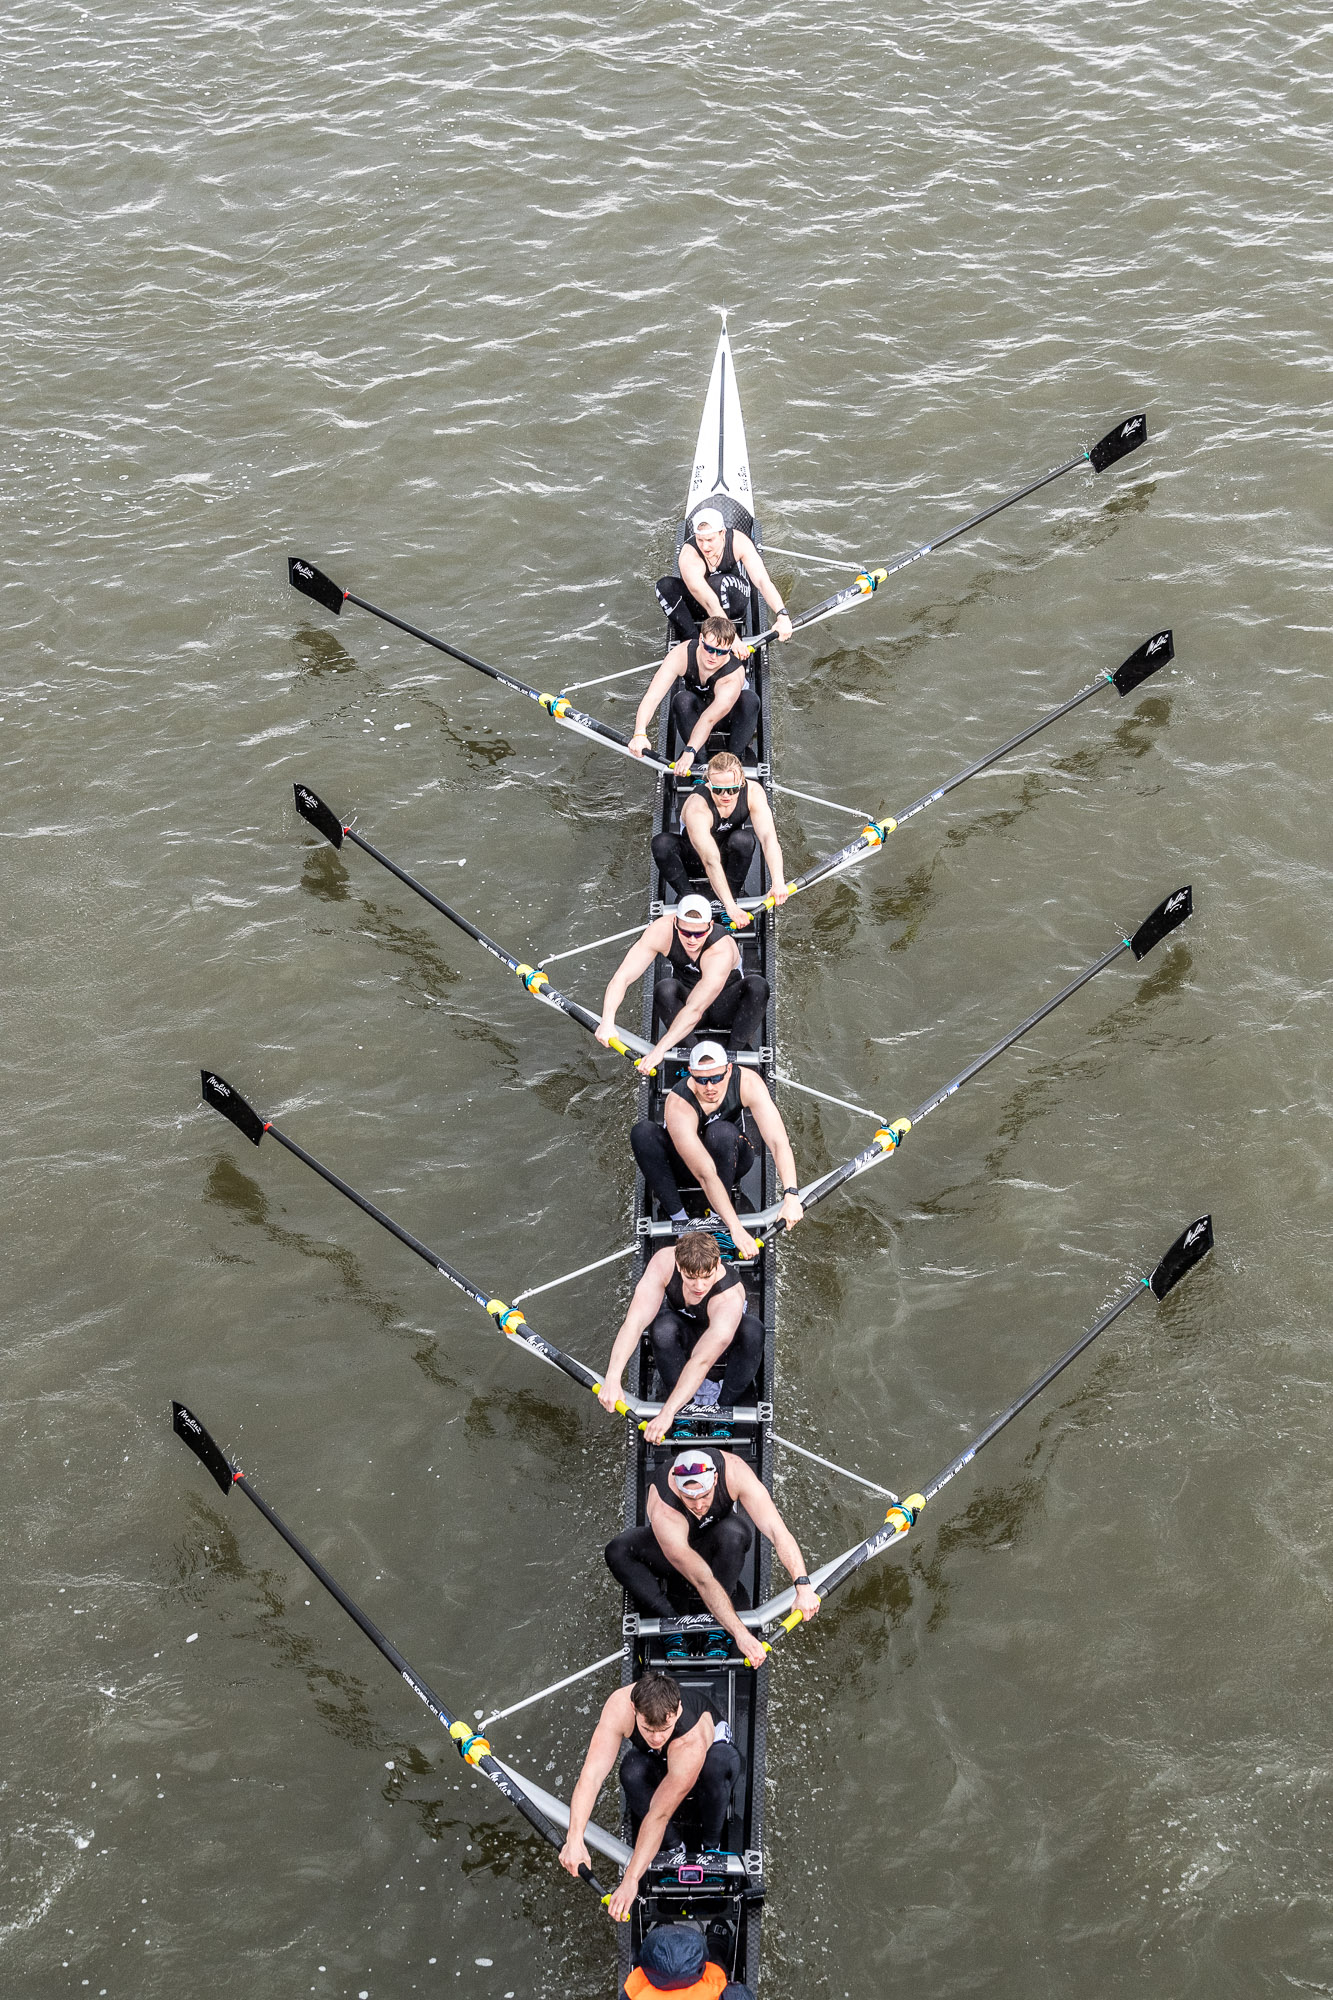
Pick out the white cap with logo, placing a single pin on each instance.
(693, 910)
(707, 1055)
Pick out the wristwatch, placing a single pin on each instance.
(789, 1190)
(799, 1580)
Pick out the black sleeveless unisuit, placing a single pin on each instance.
(689, 971)
(730, 1108)
(697, 1316)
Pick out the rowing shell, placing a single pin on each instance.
(723, 1891)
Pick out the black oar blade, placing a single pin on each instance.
(1189, 1248)
(1152, 654)
(312, 582)
(312, 807)
(190, 1431)
(1119, 443)
(215, 1091)
(1168, 915)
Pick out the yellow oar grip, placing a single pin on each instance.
(903, 1516)
(792, 1620)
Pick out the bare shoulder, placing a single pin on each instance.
(659, 933)
(677, 657)
(618, 1712)
(754, 1091)
(742, 544)
(660, 1266)
(740, 1479)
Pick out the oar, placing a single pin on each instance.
(1170, 913)
(1127, 436)
(313, 809)
(1146, 660)
(474, 1750)
(221, 1096)
(312, 582)
(1189, 1248)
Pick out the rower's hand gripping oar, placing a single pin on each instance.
(1131, 673)
(312, 582)
(222, 1097)
(473, 1749)
(317, 814)
(1126, 437)
(1170, 913)
(1189, 1248)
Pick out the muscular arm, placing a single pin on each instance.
(603, 1750)
(757, 571)
(632, 966)
(643, 1310)
(761, 819)
(695, 821)
(758, 1504)
(755, 1098)
(670, 671)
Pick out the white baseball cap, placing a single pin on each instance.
(694, 910)
(708, 1055)
(708, 517)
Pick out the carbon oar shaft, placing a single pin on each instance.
(1189, 1248)
(1126, 436)
(473, 1749)
(312, 582)
(325, 821)
(222, 1097)
(1153, 654)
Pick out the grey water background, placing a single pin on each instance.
(426, 294)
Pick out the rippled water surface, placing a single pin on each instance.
(427, 294)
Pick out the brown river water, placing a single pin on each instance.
(426, 294)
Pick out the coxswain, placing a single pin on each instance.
(694, 1310)
(703, 1137)
(705, 984)
(719, 827)
(678, 1759)
(717, 565)
(706, 679)
(696, 1532)
(675, 1960)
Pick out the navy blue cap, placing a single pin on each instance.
(673, 1956)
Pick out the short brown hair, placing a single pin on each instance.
(725, 764)
(720, 630)
(697, 1253)
(655, 1697)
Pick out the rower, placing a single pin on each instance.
(712, 582)
(696, 1531)
(706, 678)
(705, 984)
(693, 1309)
(718, 830)
(678, 1758)
(703, 1138)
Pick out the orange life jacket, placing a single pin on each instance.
(640, 1987)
